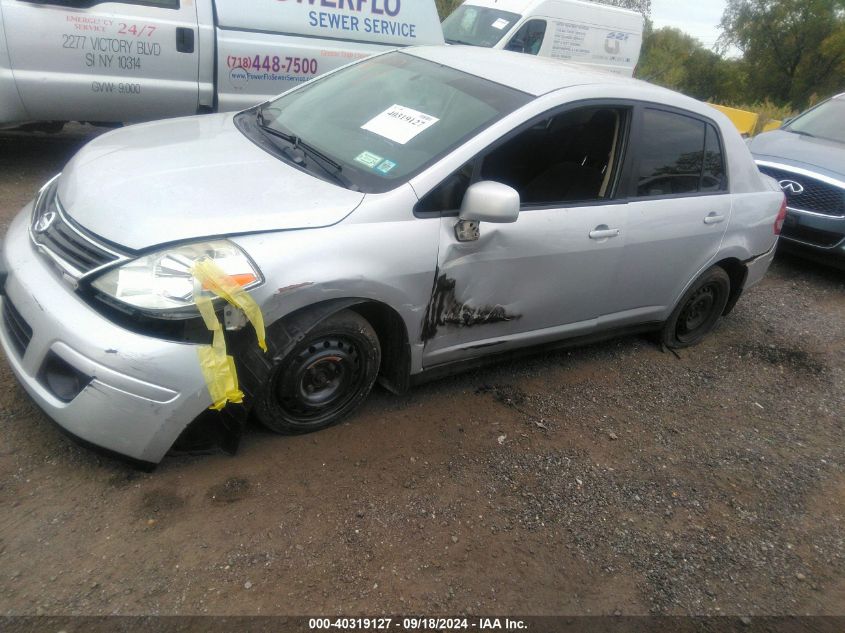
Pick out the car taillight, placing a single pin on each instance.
(781, 218)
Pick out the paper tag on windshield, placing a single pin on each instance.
(400, 124)
(500, 24)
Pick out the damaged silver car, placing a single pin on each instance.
(405, 216)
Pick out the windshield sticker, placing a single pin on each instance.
(500, 24)
(400, 124)
(386, 167)
(369, 159)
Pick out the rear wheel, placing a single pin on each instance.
(323, 379)
(698, 311)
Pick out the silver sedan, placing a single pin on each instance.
(397, 219)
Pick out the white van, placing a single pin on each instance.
(598, 35)
(138, 60)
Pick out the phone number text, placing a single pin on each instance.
(268, 63)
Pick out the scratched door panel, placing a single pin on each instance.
(114, 62)
(539, 280)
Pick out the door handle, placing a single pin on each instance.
(714, 218)
(184, 40)
(604, 232)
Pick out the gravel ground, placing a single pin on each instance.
(608, 479)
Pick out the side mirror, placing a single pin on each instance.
(489, 201)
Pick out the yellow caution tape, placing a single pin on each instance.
(217, 366)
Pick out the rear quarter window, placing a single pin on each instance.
(678, 155)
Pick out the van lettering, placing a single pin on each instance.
(102, 87)
(386, 27)
(333, 21)
(391, 8)
(149, 48)
(110, 45)
(74, 41)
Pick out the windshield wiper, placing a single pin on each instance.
(298, 144)
(448, 41)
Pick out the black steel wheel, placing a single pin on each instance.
(324, 379)
(698, 311)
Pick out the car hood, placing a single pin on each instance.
(191, 178)
(820, 155)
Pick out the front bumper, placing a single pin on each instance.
(830, 256)
(815, 236)
(141, 393)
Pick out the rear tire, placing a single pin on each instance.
(698, 311)
(324, 379)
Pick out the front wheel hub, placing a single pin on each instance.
(323, 379)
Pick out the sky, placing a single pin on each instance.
(699, 18)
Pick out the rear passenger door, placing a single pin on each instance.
(679, 210)
(104, 61)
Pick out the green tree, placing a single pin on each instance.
(711, 77)
(792, 49)
(664, 57)
(676, 60)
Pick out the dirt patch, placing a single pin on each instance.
(159, 502)
(795, 359)
(231, 490)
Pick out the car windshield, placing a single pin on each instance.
(377, 123)
(477, 26)
(827, 121)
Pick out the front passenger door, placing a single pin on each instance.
(549, 275)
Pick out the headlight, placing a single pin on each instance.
(162, 281)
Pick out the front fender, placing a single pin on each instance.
(382, 253)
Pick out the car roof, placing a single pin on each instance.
(529, 8)
(537, 76)
(527, 73)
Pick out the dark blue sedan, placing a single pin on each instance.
(807, 157)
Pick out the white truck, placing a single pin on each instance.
(138, 60)
(597, 35)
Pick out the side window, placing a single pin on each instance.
(569, 157)
(529, 38)
(713, 178)
(678, 155)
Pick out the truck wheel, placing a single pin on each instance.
(698, 311)
(324, 379)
